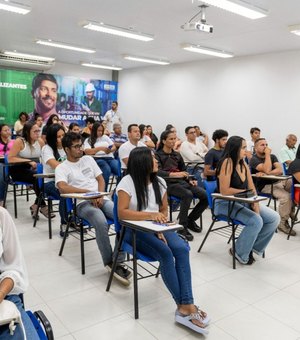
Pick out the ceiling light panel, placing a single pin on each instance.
(107, 67)
(14, 7)
(146, 60)
(295, 29)
(239, 7)
(65, 46)
(119, 31)
(207, 51)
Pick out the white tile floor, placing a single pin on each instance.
(260, 302)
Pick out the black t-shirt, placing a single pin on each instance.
(254, 162)
(212, 158)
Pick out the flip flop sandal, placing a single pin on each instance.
(205, 318)
(186, 320)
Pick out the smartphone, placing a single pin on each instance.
(110, 146)
(165, 224)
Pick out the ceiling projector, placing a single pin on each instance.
(198, 26)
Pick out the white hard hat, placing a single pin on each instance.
(90, 87)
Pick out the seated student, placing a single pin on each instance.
(255, 134)
(118, 137)
(178, 140)
(38, 120)
(134, 137)
(201, 136)
(74, 127)
(144, 136)
(28, 148)
(102, 146)
(171, 166)
(142, 196)
(233, 176)
(19, 124)
(6, 144)
(214, 154)
(13, 277)
(263, 162)
(52, 155)
(89, 122)
(152, 135)
(294, 170)
(193, 151)
(53, 119)
(81, 174)
(288, 152)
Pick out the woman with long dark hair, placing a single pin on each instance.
(53, 119)
(27, 151)
(52, 155)
(6, 144)
(103, 148)
(260, 222)
(142, 196)
(19, 124)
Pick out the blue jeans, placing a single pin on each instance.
(197, 174)
(28, 326)
(108, 166)
(2, 182)
(257, 231)
(51, 190)
(174, 262)
(97, 218)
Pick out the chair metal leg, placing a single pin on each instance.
(15, 201)
(114, 265)
(38, 208)
(50, 208)
(233, 246)
(206, 235)
(135, 284)
(82, 249)
(64, 239)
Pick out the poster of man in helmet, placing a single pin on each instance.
(90, 102)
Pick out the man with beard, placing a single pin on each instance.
(44, 93)
(90, 102)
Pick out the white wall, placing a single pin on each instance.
(234, 94)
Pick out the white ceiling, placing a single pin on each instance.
(59, 20)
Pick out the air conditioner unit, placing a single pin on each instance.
(25, 62)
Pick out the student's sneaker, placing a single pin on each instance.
(62, 232)
(122, 274)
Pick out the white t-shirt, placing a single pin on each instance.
(103, 141)
(126, 184)
(81, 174)
(111, 117)
(250, 145)
(193, 152)
(12, 263)
(125, 149)
(47, 154)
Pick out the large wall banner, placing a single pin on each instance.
(74, 99)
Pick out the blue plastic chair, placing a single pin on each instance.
(136, 255)
(48, 198)
(210, 187)
(297, 207)
(78, 226)
(10, 181)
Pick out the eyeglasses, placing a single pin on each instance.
(77, 146)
